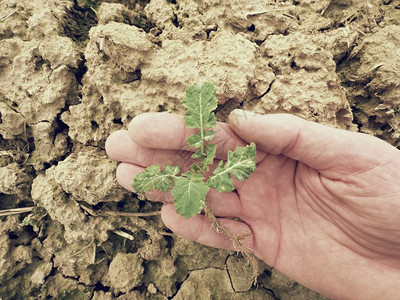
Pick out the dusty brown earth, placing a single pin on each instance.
(72, 72)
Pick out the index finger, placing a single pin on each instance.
(168, 131)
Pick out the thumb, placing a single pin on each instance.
(319, 146)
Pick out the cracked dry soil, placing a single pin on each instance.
(73, 71)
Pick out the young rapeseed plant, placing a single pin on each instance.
(190, 188)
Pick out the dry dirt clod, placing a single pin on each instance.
(15, 181)
(241, 273)
(208, 283)
(373, 85)
(99, 186)
(125, 272)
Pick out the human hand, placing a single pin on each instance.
(323, 206)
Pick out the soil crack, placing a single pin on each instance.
(229, 274)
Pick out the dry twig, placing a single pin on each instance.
(7, 16)
(111, 213)
(15, 211)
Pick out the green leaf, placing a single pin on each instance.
(153, 178)
(195, 140)
(208, 135)
(204, 160)
(189, 194)
(172, 170)
(197, 154)
(196, 168)
(221, 181)
(211, 151)
(207, 160)
(200, 102)
(241, 163)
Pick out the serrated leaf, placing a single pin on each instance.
(195, 140)
(200, 101)
(208, 135)
(241, 163)
(196, 168)
(210, 151)
(172, 170)
(187, 174)
(189, 195)
(204, 160)
(197, 154)
(153, 178)
(221, 181)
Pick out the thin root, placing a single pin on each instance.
(236, 240)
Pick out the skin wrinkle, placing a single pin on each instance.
(333, 237)
(264, 154)
(152, 157)
(199, 232)
(278, 249)
(296, 198)
(323, 214)
(357, 204)
(332, 163)
(311, 196)
(350, 232)
(374, 258)
(363, 217)
(369, 169)
(353, 232)
(240, 213)
(343, 193)
(292, 145)
(366, 217)
(349, 156)
(366, 235)
(252, 243)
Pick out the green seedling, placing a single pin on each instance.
(28, 222)
(189, 189)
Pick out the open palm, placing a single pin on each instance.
(323, 206)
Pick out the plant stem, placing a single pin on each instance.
(202, 142)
